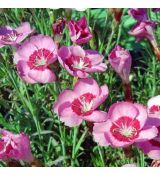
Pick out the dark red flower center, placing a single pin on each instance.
(78, 63)
(154, 109)
(40, 59)
(155, 142)
(10, 36)
(83, 105)
(125, 129)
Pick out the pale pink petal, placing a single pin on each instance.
(142, 115)
(24, 148)
(45, 76)
(41, 41)
(99, 131)
(97, 68)
(120, 109)
(94, 57)
(154, 101)
(116, 143)
(96, 116)
(23, 69)
(65, 96)
(69, 117)
(77, 51)
(154, 154)
(102, 127)
(24, 30)
(24, 51)
(147, 134)
(80, 74)
(86, 85)
(100, 139)
(103, 94)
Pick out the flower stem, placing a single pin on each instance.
(128, 92)
(128, 152)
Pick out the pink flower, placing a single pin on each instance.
(79, 62)
(143, 30)
(15, 146)
(81, 103)
(125, 125)
(79, 31)
(58, 27)
(33, 58)
(120, 60)
(151, 147)
(10, 36)
(139, 14)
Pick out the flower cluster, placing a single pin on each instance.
(124, 124)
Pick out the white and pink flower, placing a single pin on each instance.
(125, 125)
(79, 31)
(81, 103)
(143, 29)
(10, 36)
(34, 57)
(79, 62)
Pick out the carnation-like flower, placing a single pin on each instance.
(34, 57)
(120, 60)
(10, 36)
(81, 103)
(79, 31)
(139, 14)
(143, 30)
(125, 125)
(79, 62)
(15, 146)
(58, 27)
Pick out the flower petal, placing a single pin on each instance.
(86, 85)
(96, 116)
(45, 76)
(65, 96)
(147, 134)
(120, 109)
(102, 96)
(24, 30)
(23, 69)
(142, 115)
(69, 117)
(77, 51)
